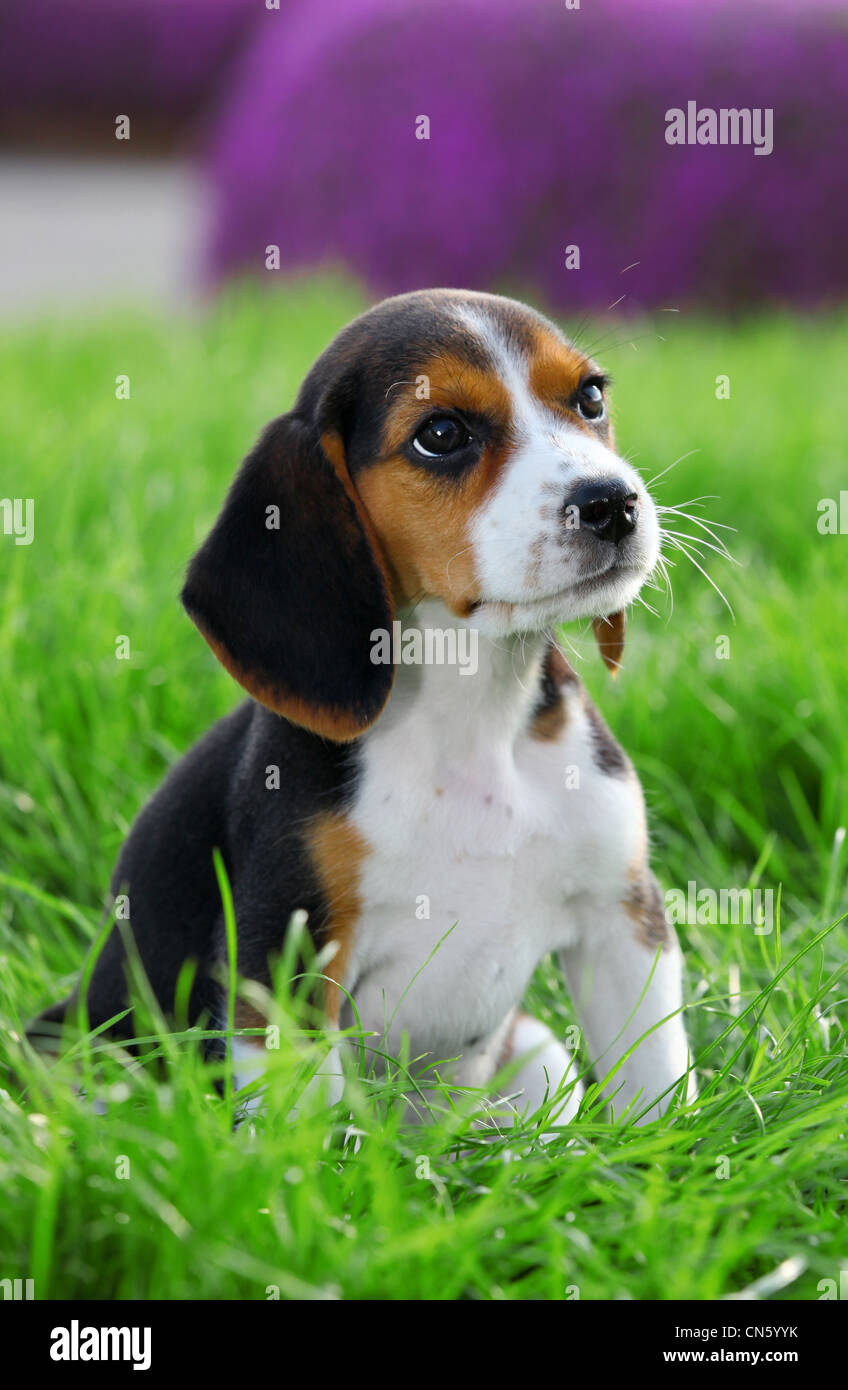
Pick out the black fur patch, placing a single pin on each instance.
(287, 584)
(609, 756)
(217, 796)
(548, 717)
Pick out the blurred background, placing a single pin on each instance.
(295, 124)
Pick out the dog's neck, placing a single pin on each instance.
(471, 707)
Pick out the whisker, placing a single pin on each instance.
(564, 637)
(723, 526)
(575, 335)
(463, 551)
(663, 564)
(678, 511)
(398, 383)
(625, 342)
(645, 604)
(657, 476)
(699, 540)
(718, 540)
(678, 544)
(704, 497)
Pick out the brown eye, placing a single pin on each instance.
(590, 399)
(439, 436)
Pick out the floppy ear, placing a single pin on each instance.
(289, 585)
(609, 635)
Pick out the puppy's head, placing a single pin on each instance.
(446, 444)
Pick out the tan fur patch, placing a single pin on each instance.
(556, 371)
(644, 905)
(423, 521)
(549, 724)
(333, 447)
(246, 1015)
(453, 385)
(338, 850)
(339, 725)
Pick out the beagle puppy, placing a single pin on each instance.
(448, 471)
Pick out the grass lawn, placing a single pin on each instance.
(744, 762)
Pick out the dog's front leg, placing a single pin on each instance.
(539, 1070)
(624, 974)
(250, 1061)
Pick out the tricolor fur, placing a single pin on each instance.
(499, 799)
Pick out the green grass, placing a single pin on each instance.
(744, 764)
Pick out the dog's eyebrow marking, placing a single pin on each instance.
(540, 370)
(453, 384)
(509, 360)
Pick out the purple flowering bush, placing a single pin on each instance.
(547, 130)
(117, 56)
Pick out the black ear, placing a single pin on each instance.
(289, 585)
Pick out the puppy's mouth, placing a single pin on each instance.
(573, 597)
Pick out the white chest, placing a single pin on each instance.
(478, 844)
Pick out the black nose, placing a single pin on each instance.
(608, 508)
